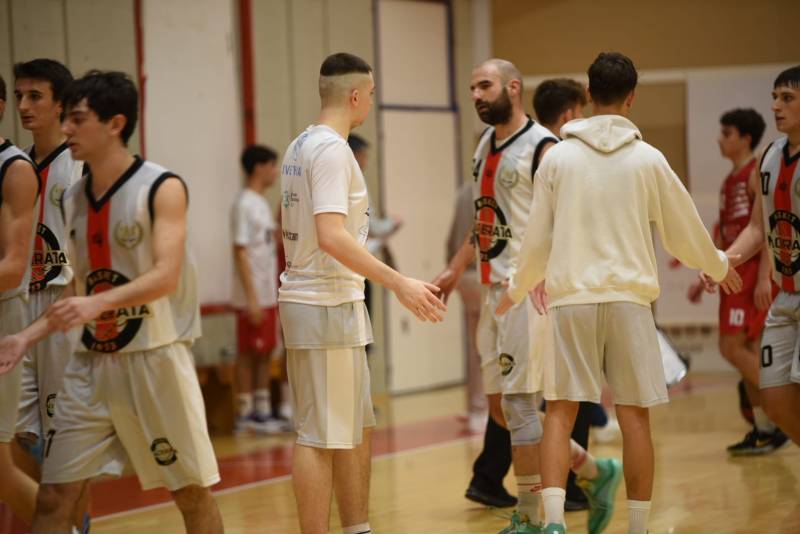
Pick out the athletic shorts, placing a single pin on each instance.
(143, 407)
(511, 346)
(329, 380)
(43, 369)
(738, 311)
(261, 339)
(617, 340)
(13, 318)
(780, 345)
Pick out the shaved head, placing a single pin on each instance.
(505, 69)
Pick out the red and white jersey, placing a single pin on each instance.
(780, 185)
(8, 155)
(735, 204)
(50, 264)
(503, 191)
(111, 242)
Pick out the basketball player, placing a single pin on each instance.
(255, 290)
(741, 316)
(776, 219)
(596, 195)
(39, 87)
(506, 158)
(130, 389)
(19, 190)
(325, 219)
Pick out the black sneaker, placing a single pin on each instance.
(496, 499)
(756, 443)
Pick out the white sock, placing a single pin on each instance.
(583, 463)
(638, 512)
(245, 404)
(762, 422)
(553, 499)
(529, 493)
(262, 402)
(362, 528)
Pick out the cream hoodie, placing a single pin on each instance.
(597, 196)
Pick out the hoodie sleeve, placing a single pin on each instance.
(682, 231)
(535, 249)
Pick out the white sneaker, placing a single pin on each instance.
(607, 434)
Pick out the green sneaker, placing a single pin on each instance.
(521, 525)
(552, 528)
(601, 492)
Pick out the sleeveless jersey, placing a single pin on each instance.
(112, 243)
(735, 204)
(780, 185)
(8, 155)
(50, 265)
(503, 191)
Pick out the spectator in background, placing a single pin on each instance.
(255, 291)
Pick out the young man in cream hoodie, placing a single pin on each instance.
(596, 195)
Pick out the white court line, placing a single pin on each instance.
(275, 480)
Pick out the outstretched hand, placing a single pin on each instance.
(446, 282)
(420, 298)
(12, 349)
(70, 312)
(732, 283)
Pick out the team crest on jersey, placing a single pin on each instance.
(506, 362)
(56, 192)
(508, 178)
(784, 232)
(492, 238)
(128, 235)
(290, 199)
(114, 329)
(47, 260)
(51, 404)
(163, 452)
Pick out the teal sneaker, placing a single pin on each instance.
(552, 528)
(521, 525)
(601, 492)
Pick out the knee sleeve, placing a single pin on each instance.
(522, 419)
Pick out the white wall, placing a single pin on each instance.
(193, 122)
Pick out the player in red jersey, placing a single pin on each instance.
(742, 315)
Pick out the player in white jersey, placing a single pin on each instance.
(512, 347)
(596, 195)
(130, 389)
(325, 220)
(255, 290)
(776, 219)
(19, 187)
(39, 86)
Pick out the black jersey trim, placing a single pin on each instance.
(97, 205)
(764, 156)
(7, 163)
(50, 157)
(537, 154)
(8, 143)
(496, 149)
(151, 196)
(788, 160)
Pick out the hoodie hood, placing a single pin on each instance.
(604, 133)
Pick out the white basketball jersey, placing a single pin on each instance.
(8, 155)
(50, 264)
(780, 186)
(503, 191)
(111, 239)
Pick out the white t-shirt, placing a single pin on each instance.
(319, 174)
(253, 227)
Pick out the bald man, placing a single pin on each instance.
(512, 346)
(325, 323)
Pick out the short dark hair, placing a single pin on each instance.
(343, 63)
(747, 121)
(612, 77)
(2, 88)
(788, 78)
(107, 93)
(357, 143)
(48, 70)
(256, 154)
(554, 97)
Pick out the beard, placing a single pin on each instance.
(497, 112)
